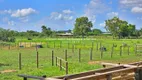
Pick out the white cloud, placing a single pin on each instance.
(112, 14)
(130, 3)
(93, 8)
(6, 12)
(102, 24)
(23, 12)
(136, 10)
(8, 21)
(12, 23)
(24, 19)
(20, 14)
(139, 18)
(65, 15)
(5, 19)
(67, 11)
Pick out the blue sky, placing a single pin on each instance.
(25, 15)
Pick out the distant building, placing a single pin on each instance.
(65, 35)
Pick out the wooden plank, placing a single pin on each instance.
(92, 72)
(109, 64)
(26, 76)
(103, 75)
(52, 79)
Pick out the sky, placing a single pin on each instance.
(22, 15)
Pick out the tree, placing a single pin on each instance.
(119, 28)
(82, 26)
(7, 35)
(97, 31)
(140, 31)
(46, 31)
(131, 29)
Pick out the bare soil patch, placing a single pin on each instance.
(94, 62)
(7, 71)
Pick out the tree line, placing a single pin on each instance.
(82, 27)
(117, 27)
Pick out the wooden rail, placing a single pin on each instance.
(138, 48)
(132, 71)
(25, 77)
(59, 62)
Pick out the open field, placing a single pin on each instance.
(9, 57)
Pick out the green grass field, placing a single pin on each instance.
(9, 58)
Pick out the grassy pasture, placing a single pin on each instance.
(9, 58)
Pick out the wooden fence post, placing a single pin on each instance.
(9, 47)
(109, 77)
(100, 45)
(136, 49)
(128, 50)
(120, 50)
(52, 58)
(60, 64)
(138, 74)
(56, 61)
(37, 60)
(101, 52)
(25, 78)
(66, 55)
(73, 48)
(112, 51)
(91, 53)
(68, 45)
(20, 66)
(66, 68)
(79, 55)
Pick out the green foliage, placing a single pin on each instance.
(97, 31)
(82, 26)
(46, 31)
(7, 35)
(119, 28)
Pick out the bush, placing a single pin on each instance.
(29, 38)
(12, 39)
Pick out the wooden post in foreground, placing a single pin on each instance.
(37, 60)
(109, 77)
(128, 50)
(20, 66)
(136, 49)
(120, 50)
(91, 53)
(52, 58)
(60, 64)
(66, 68)
(79, 55)
(101, 52)
(112, 51)
(138, 74)
(9, 47)
(56, 61)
